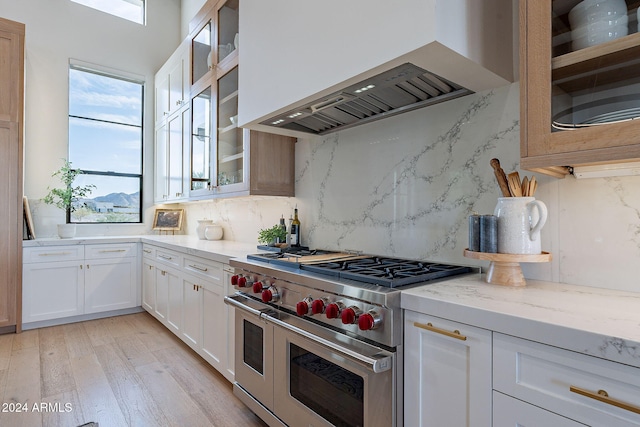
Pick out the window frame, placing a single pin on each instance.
(124, 76)
(143, 4)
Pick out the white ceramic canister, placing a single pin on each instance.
(520, 220)
(202, 225)
(213, 232)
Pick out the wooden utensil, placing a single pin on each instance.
(514, 184)
(533, 185)
(525, 187)
(501, 177)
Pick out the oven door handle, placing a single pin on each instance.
(379, 362)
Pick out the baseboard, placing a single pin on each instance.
(81, 318)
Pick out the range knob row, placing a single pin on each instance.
(308, 306)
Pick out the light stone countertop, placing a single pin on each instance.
(216, 250)
(599, 322)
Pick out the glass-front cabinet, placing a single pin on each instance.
(230, 153)
(201, 141)
(579, 83)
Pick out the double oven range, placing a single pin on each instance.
(319, 335)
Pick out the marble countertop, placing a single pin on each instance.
(216, 250)
(599, 322)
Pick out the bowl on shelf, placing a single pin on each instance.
(583, 37)
(588, 11)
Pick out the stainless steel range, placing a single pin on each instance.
(319, 334)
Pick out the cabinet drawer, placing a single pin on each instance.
(110, 251)
(169, 257)
(204, 268)
(509, 412)
(148, 251)
(567, 383)
(53, 253)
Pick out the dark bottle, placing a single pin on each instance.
(284, 228)
(295, 229)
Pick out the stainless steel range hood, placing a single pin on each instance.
(403, 88)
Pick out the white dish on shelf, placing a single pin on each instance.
(588, 11)
(585, 38)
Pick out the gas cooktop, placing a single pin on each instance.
(378, 270)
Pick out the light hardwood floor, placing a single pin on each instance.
(119, 371)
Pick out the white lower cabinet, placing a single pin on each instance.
(186, 293)
(511, 412)
(72, 280)
(447, 373)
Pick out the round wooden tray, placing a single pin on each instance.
(504, 269)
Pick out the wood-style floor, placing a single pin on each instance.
(119, 371)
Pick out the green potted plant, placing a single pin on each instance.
(67, 196)
(272, 236)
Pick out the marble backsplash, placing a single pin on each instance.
(404, 186)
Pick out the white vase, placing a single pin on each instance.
(66, 231)
(520, 220)
(202, 225)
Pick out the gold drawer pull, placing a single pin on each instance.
(603, 396)
(165, 257)
(429, 327)
(112, 250)
(198, 268)
(146, 251)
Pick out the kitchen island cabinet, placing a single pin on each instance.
(556, 349)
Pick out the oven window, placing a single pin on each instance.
(331, 391)
(253, 348)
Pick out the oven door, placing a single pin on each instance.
(254, 353)
(323, 378)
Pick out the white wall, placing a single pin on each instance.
(57, 30)
(189, 9)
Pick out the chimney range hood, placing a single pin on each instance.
(312, 68)
(403, 88)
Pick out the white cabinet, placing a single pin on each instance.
(171, 143)
(510, 412)
(447, 373)
(63, 281)
(586, 389)
(172, 84)
(111, 277)
(186, 293)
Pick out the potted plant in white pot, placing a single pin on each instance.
(66, 197)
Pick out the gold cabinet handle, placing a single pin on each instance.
(112, 250)
(603, 396)
(429, 327)
(54, 253)
(146, 251)
(198, 267)
(165, 257)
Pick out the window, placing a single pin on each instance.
(132, 10)
(105, 143)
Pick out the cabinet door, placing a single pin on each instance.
(191, 331)
(52, 290)
(447, 373)
(177, 125)
(229, 373)
(162, 95)
(175, 301)
(148, 285)
(214, 327)
(176, 77)
(510, 412)
(578, 93)
(110, 284)
(162, 295)
(161, 169)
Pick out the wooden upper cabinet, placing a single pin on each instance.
(578, 103)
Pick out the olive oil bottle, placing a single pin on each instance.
(295, 229)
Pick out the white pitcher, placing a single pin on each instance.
(520, 220)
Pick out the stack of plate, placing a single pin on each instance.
(598, 21)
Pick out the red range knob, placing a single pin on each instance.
(234, 280)
(257, 287)
(332, 311)
(267, 296)
(366, 322)
(348, 316)
(302, 308)
(242, 282)
(317, 306)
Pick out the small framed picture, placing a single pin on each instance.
(168, 219)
